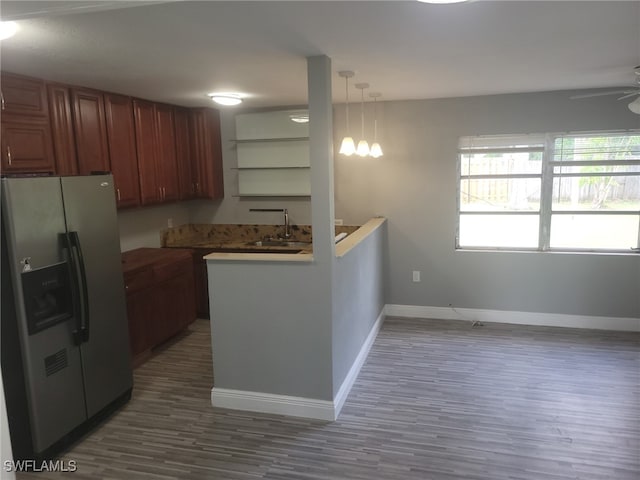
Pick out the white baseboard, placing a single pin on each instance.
(297, 406)
(271, 403)
(350, 379)
(515, 317)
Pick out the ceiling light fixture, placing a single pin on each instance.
(635, 106)
(376, 149)
(227, 99)
(8, 29)
(363, 146)
(347, 147)
(299, 117)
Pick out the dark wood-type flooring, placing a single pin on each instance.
(435, 400)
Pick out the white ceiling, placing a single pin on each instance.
(179, 51)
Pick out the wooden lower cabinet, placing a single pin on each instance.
(161, 300)
(201, 281)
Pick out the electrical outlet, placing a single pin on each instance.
(339, 221)
(169, 222)
(416, 276)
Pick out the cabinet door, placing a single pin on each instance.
(208, 152)
(23, 95)
(167, 169)
(91, 131)
(144, 116)
(26, 145)
(187, 177)
(122, 149)
(64, 143)
(141, 311)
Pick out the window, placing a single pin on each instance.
(546, 192)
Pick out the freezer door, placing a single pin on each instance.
(33, 219)
(90, 208)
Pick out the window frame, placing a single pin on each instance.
(547, 177)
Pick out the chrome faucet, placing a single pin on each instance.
(287, 228)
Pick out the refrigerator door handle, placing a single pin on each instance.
(77, 306)
(84, 323)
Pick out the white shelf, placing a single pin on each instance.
(273, 155)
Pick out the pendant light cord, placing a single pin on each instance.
(362, 111)
(346, 89)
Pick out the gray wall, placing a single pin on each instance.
(271, 328)
(358, 300)
(414, 186)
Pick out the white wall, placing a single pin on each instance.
(140, 227)
(414, 186)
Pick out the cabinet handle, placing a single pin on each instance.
(118, 190)
(197, 187)
(164, 192)
(9, 154)
(160, 192)
(2, 97)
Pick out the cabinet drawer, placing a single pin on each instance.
(138, 280)
(170, 270)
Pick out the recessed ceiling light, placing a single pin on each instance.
(8, 29)
(226, 98)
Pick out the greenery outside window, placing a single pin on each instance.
(550, 192)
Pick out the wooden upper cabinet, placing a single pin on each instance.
(122, 149)
(64, 142)
(23, 95)
(207, 149)
(26, 145)
(187, 174)
(146, 148)
(166, 165)
(90, 131)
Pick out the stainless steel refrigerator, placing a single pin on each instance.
(64, 337)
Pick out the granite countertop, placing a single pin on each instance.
(231, 238)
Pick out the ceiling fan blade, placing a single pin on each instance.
(613, 92)
(630, 95)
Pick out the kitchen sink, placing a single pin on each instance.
(279, 243)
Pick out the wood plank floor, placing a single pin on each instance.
(435, 400)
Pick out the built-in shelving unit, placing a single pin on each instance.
(273, 154)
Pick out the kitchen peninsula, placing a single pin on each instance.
(295, 342)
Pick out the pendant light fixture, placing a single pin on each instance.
(347, 147)
(363, 146)
(376, 150)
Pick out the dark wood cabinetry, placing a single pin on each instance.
(156, 147)
(122, 149)
(26, 145)
(64, 142)
(207, 153)
(166, 160)
(26, 132)
(90, 131)
(187, 177)
(156, 152)
(160, 295)
(23, 96)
